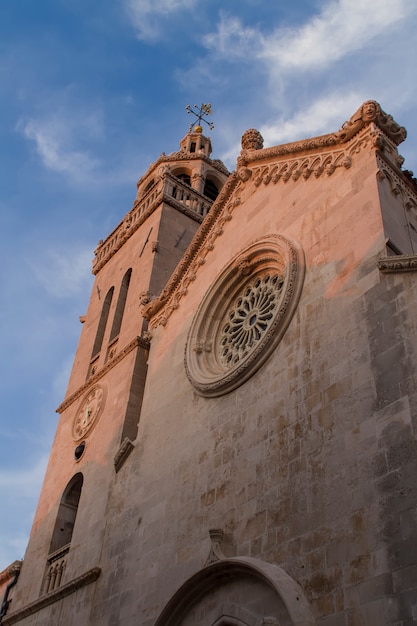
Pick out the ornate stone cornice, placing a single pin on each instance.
(369, 113)
(400, 263)
(137, 341)
(60, 593)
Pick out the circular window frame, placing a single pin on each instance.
(270, 255)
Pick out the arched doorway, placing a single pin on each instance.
(238, 592)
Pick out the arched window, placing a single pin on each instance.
(67, 512)
(185, 178)
(210, 190)
(102, 323)
(120, 307)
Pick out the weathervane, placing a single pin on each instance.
(200, 113)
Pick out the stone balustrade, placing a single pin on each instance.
(55, 568)
(168, 189)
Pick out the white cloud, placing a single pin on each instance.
(61, 272)
(146, 14)
(54, 138)
(342, 27)
(324, 115)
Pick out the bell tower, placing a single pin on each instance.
(100, 413)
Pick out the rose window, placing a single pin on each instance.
(244, 315)
(249, 318)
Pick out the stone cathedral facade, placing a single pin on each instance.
(237, 444)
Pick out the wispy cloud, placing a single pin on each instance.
(326, 114)
(146, 15)
(61, 272)
(54, 139)
(342, 27)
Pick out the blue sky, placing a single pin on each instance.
(92, 91)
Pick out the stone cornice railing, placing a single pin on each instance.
(193, 204)
(400, 263)
(137, 341)
(56, 595)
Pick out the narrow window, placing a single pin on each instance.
(193, 146)
(102, 323)
(120, 307)
(210, 190)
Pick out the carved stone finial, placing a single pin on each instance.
(370, 111)
(252, 140)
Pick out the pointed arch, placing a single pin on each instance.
(98, 342)
(239, 591)
(120, 306)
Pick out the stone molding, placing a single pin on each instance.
(226, 344)
(123, 452)
(60, 593)
(316, 164)
(137, 341)
(400, 263)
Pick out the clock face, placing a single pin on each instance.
(88, 412)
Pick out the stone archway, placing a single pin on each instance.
(238, 592)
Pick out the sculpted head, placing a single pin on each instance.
(370, 110)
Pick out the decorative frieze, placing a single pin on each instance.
(399, 263)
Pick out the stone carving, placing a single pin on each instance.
(249, 318)
(400, 263)
(371, 111)
(244, 173)
(216, 552)
(244, 315)
(252, 140)
(123, 452)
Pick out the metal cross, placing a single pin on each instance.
(200, 113)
